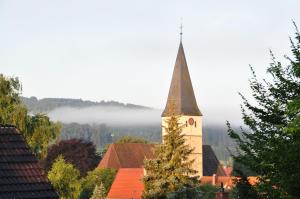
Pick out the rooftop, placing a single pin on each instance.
(20, 174)
(127, 184)
(181, 98)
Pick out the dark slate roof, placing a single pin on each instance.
(211, 164)
(132, 155)
(20, 174)
(128, 155)
(181, 98)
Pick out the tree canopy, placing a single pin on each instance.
(270, 145)
(37, 129)
(98, 177)
(65, 179)
(131, 139)
(169, 174)
(82, 154)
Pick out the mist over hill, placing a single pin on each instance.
(106, 121)
(46, 105)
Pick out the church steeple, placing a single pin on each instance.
(181, 98)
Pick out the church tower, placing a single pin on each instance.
(182, 102)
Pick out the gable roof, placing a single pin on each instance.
(181, 98)
(128, 155)
(20, 174)
(211, 164)
(127, 184)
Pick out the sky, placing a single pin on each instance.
(126, 50)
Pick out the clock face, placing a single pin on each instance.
(191, 121)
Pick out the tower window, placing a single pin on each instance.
(186, 124)
(195, 124)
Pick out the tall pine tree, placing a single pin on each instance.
(271, 146)
(169, 174)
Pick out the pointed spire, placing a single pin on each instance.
(181, 98)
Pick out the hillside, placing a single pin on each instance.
(103, 132)
(48, 104)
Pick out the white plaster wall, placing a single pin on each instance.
(193, 137)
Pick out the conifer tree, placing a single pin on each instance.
(271, 146)
(169, 174)
(99, 192)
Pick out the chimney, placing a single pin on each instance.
(214, 179)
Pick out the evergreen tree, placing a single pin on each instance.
(169, 174)
(271, 146)
(104, 176)
(99, 192)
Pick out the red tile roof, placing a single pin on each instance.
(132, 155)
(20, 174)
(228, 181)
(127, 184)
(129, 155)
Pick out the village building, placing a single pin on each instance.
(128, 158)
(20, 174)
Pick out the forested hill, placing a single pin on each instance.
(48, 104)
(103, 132)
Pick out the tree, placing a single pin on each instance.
(82, 154)
(270, 145)
(243, 189)
(168, 175)
(131, 139)
(209, 191)
(65, 179)
(99, 192)
(38, 130)
(97, 177)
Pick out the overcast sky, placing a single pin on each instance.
(126, 50)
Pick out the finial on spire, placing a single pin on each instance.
(181, 27)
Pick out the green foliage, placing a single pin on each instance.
(131, 139)
(38, 130)
(271, 146)
(99, 192)
(243, 189)
(65, 179)
(209, 191)
(184, 193)
(97, 177)
(100, 134)
(168, 175)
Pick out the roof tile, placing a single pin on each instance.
(20, 174)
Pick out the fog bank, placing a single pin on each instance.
(106, 115)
